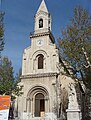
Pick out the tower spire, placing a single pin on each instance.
(42, 19)
(43, 7)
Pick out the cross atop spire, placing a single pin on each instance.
(42, 7)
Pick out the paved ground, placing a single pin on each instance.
(14, 118)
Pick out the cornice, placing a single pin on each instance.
(39, 75)
(32, 35)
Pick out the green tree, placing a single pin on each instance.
(75, 49)
(75, 45)
(17, 89)
(8, 84)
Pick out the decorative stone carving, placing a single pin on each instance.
(73, 112)
(72, 97)
(29, 99)
(38, 75)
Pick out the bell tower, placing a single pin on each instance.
(42, 19)
(42, 40)
(39, 69)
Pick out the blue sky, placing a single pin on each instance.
(19, 22)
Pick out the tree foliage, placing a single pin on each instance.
(8, 84)
(75, 45)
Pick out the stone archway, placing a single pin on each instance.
(38, 101)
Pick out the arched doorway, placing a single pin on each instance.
(39, 105)
(38, 101)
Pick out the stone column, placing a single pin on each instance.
(46, 104)
(28, 104)
(24, 104)
(33, 107)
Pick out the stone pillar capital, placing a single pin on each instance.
(29, 99)
(46, 98)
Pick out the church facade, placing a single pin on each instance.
(41, 78)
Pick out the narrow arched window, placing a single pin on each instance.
(40, 61)
(40, 23)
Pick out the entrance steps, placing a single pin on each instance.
(38, 118)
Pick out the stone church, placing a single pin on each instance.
(41, 79)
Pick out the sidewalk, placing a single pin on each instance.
(14, 118)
